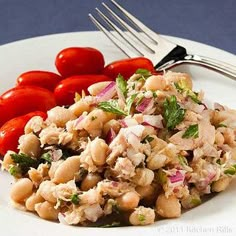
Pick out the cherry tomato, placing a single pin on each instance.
(127, 67)
(66, 89)
(24, 99)
(44, 79)
(79, 60)
(11, 131)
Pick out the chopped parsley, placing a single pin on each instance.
(141, 217)
(182, 87)
(75, 199)
(221, 125)
(191, 132)
(111, 106)
(47, 157)
(147, 139)
(130, 101)
(230, 171)
(194, 96)
(182, 160)
(218, 162)
(24, 162)
(121, 84)
(14, 171)
(173, 113)
(93, 118)
(143, 72)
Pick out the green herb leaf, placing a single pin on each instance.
(161, 177)
(182, 160)
(147, 139)
(130, 101)
(173, 113)
(111, 106)
(141, 217)
(182, 87)
(47, 157)
(191, 132)
(93, 118)
(75, 199)
(122, 85)
(194, 97)
(144, 72)
(221, 125)
(230, 171)
(14, 171)
(24, 162)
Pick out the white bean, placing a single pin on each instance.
(34, 125)
(146, 192)
(7, 160)
(79, 107)
(95, 120)
(99, 150)
(60, 116)
(67, 170)
(46, 190)
(156, 161)
(32, 201)
(155, 82)
(29, 144)
(46, 211)
(21, 190)
(128, 201)
(221, 184)
(53, 168)
(90, 180)
(35, 176)
(143, 176)
(168, 207)
(142, 216)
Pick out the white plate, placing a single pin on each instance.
(215, 217)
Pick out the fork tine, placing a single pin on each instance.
(141, 51)
(126, 26)
(113, 38)
(138, 24)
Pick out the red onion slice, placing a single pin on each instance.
(178, 177)
(110, 136)
(78, 122)
(107, 93)
(145, 106)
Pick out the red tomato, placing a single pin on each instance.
(127, 67)
(66, 89)
(11, 131)
(24, 99)
(78, 61)
(44, 79)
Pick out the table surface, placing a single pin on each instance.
(208, 21)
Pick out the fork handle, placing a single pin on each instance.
(218, 66)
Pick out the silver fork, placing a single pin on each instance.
(163, 53)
